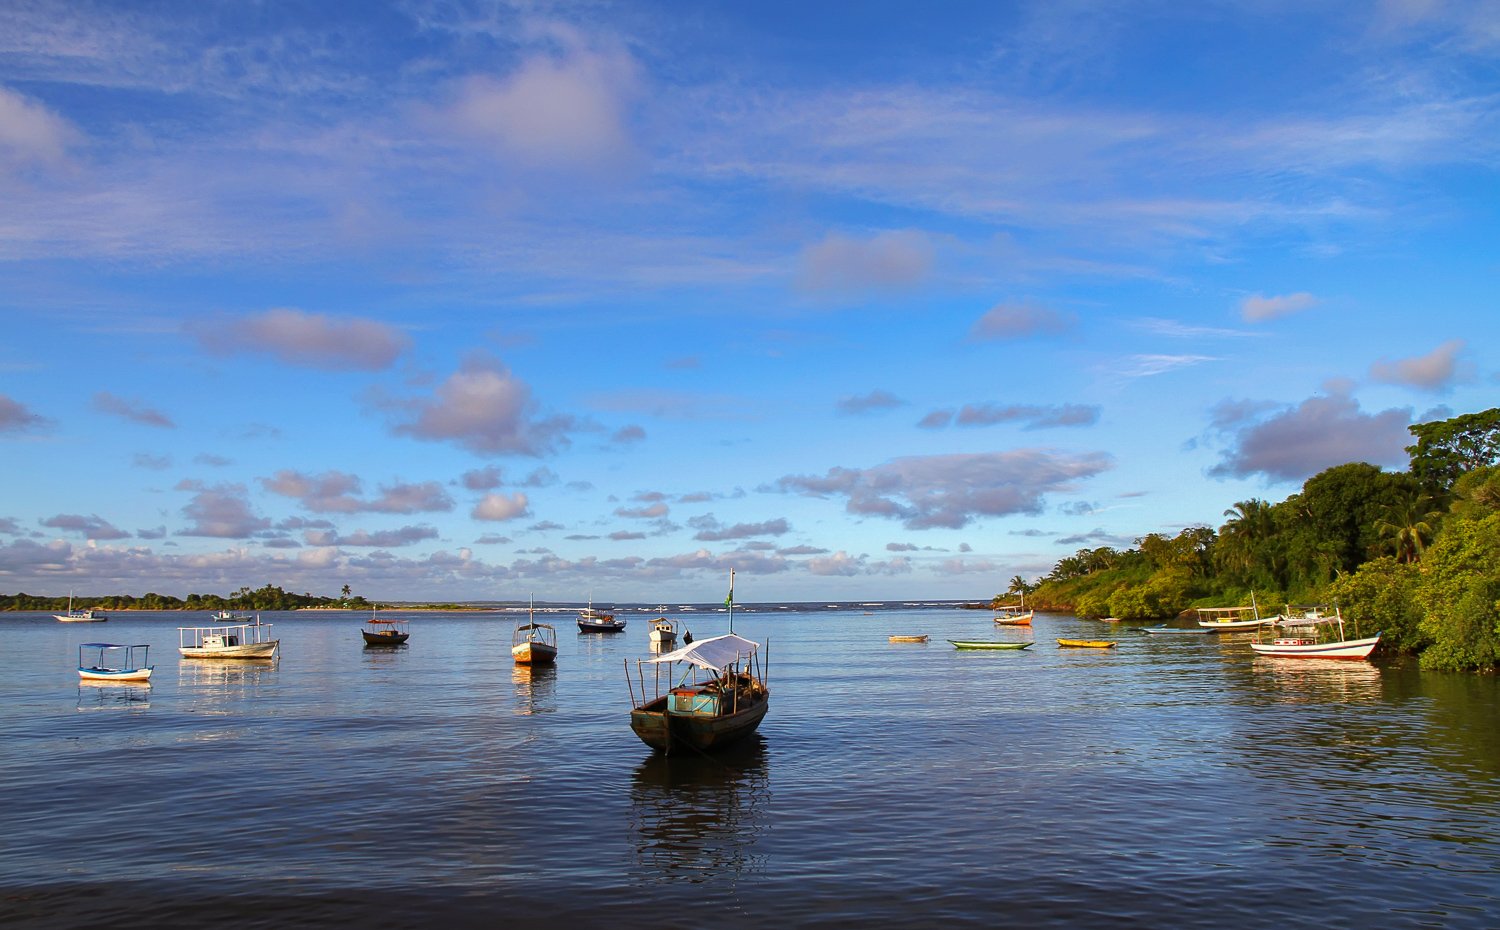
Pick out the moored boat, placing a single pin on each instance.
(1232, 618)
(249, 639)
(1087, 643)
(719, 698)
(1013, 614)
(663, 632)
(986, 644)
(597, 621)
(1313, 638)
(909, 638)
(385, 631)
(115, 662)
(534, 643)
(86, 615)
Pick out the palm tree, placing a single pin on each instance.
(1407, 528)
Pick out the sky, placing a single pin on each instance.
(866, 301)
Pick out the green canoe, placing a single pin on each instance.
(985, 644)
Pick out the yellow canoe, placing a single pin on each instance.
(908, 639)
(1087, 643)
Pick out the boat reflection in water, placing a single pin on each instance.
(113, 695)
(210, 682)
(698, 818)
(536, 689)
(1298, 681)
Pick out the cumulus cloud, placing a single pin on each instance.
(886, 261)
(1318, 433)
(1437, 371)
(865, 403)
(484, 408)
(222, 511)
(502, 507)
(1033, 417)
(711, 530)
(1019, 321)
(32, 135)
(90, 527)
(839, 563)
(308, 340)
(555, 111)
(106, 402)
(1257, 309)
(951, 490)
(15, 417)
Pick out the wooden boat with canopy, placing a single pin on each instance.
(534, 643)
(383, 631)
(1314, 638)
(1013, 614)
(250, 639)
(114, 662)
(1232, 618)
(703, 696)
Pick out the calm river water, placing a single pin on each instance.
(1171, 782)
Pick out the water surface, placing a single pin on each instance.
(1172, 781)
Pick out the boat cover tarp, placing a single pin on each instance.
(715, 653)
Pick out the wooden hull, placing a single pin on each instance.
(113, 674)
(908, 639)
(384, 639)
(266, 650)
(1349, 649)
(1087, 643)
(533, 654)
(1234, 624)
(663, 731)
(980, 644)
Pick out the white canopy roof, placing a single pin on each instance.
(716, 653)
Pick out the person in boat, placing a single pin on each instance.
(687, 637)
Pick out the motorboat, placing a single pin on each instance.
(704, 696)
(248, 639)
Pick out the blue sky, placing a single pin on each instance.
(481, 300)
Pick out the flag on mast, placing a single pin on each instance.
(729, 601)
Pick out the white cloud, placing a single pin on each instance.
(502, 507)
(1438, 370)
(482, 407)
(1020, 321)
(32, 135)
(885, 261)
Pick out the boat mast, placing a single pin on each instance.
(729, 601)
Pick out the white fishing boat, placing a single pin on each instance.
(248, 639)
(114, 662)
(1013, 614)
(663, 632)
(88, 615)
(1232, 618)
(1320, 637)
(534, 643)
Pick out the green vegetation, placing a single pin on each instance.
(266, 598)
(1414, 554)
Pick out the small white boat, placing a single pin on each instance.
(1311, 638)
(1232, 618)
(248, 639)
(663, 632)
(115, 662)
(1013, 614)
(597, 621)
(534, 643)
(88, 615)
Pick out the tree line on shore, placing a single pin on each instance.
(269, 597)
(1414, 554)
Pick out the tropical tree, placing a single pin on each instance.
(1407, 527)
(1445, 449)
